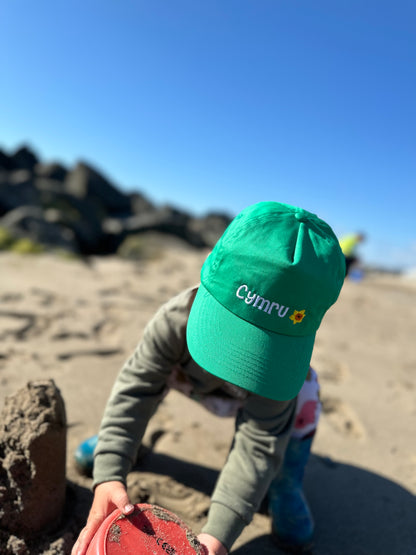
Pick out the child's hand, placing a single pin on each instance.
(212, 545)
(108, 496)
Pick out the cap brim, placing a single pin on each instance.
(268, 364)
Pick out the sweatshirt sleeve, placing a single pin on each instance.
(262, 432)
(139, 388)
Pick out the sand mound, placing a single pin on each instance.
(32, 457)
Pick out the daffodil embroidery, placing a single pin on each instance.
(297, 316)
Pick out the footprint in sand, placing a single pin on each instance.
(342, 418)
(10, 297)
(331, 370)
(17, 324)
(166, 492)
(89, 352)
(46, 298)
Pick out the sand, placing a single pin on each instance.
(75, 322)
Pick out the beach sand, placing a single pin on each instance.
(76, 322)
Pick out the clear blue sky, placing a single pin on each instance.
(214, 105)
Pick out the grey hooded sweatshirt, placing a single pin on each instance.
(262, 426)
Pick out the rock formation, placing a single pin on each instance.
(81, 211)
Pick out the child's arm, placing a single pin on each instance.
(107, 497)
(139, 387)
(262, 431)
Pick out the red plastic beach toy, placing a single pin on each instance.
(148, 530)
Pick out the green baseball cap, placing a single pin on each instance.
(264, 290)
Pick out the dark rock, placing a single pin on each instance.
(82, 216)
(81, 210)
(86, 183)
(51, 171)
(5, 162)
(32, 222)
(203, 232)
(17, 188)
(165, 220)
(23, 159)
(208, 228)
(140, 204)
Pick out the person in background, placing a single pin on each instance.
(240, 343)
(349, 245)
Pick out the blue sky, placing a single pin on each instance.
(215, 105)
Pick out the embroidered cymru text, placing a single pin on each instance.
(259, 302)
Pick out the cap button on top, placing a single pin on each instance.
(301, 216)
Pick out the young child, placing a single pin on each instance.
(245, 334)
(349, 246)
